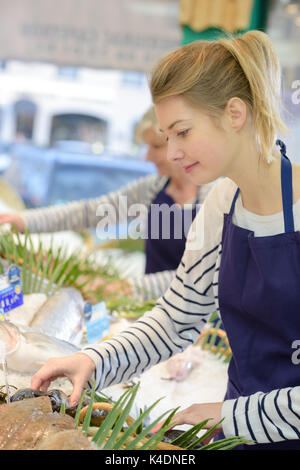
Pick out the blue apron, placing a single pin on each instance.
(259, 298)
(161, 253)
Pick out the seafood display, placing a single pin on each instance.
(27, 350)
(180, 365)
(61, 316)
(58, 399)
(24, 314)
(31, 425)
(31, 421)
(34, 420)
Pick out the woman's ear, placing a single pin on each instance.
(236, 112)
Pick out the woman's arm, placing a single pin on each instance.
(177, 319)
(78, 215)
(264, 417)
(150, 286)
(261, 418)
(180, 313)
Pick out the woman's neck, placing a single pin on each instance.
(260, 185)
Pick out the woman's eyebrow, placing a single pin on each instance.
(174, 123)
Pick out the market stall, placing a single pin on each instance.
(49, 320)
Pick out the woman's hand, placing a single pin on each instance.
(14, 219)
(196, 413)
(77, 368)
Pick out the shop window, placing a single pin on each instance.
(79, 127)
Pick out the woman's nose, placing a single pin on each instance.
(174, 154)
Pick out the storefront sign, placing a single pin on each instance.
(122, 34)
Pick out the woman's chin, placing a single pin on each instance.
(198, 179)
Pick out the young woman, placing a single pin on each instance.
(170, 187)
(217, 105)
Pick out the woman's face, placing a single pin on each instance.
(202, 149)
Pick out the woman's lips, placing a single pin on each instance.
(190, 168)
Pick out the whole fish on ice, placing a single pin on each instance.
(26, 350)
(61, 316)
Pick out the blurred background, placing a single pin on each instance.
(74, 83)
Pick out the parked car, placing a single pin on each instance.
(52, 176)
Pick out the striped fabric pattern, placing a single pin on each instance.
(182, 311)
(180, 315)
(264, 417)
(79, 215)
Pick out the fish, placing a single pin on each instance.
(58, 399)
(26, 349)
(61, 316)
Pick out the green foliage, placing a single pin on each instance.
(127, 307)
(128, 245)
(46, 270)
(114, 434)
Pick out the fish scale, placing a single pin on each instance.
(61, 316)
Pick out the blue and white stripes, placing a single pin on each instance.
(174, 323)
(264, 417)
(182, 311)
(79, 215)
(179, 316)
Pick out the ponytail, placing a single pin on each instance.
(208, 73)
(256, 55)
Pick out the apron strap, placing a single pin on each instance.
(234, 201)
(166, 184)
(286, 188)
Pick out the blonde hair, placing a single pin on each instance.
(147, 121)
(209, 73)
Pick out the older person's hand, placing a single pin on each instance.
(14, 219)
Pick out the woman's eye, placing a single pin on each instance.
(183, 133)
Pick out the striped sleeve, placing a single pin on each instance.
(264, 418)
(173, 324)
(179, 315)
(151, 286)
(78, 215)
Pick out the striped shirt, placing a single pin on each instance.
(181, 313)
(79, 215)
(264, 417)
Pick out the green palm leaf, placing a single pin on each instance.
(113, 435)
